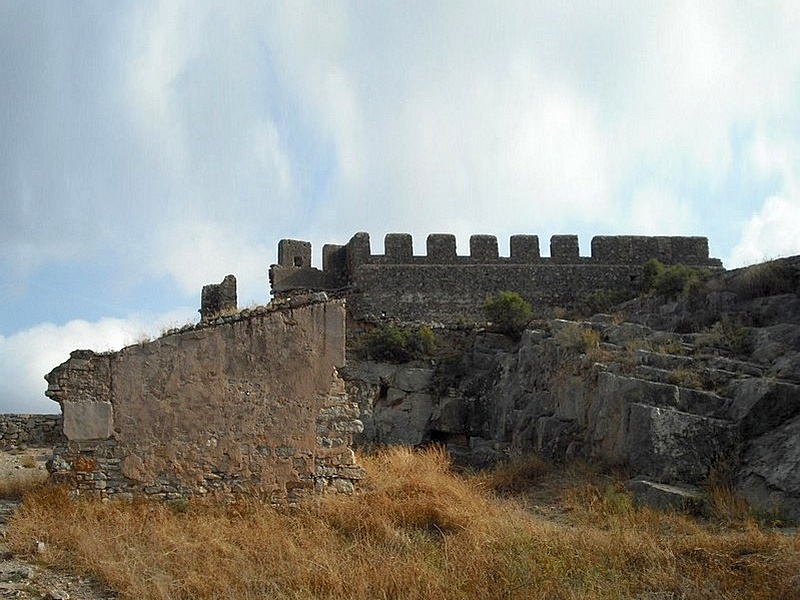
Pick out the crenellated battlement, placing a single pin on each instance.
(441, 250)
(444, 285)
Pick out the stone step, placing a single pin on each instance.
(713, 372)
(663, 361)
(697, 402)
(736, 366)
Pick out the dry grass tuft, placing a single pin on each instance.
(517, 474)
(17, 483)
(417, 530)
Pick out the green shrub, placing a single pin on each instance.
(672, 280)
(508, 312)
(399, 343)
(602, 301)
(422, 342)
(650, 271)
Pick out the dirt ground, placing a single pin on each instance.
(19, 576)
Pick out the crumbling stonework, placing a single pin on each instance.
(218, 299)
(445, 287)
(247, 403)
(18, 430)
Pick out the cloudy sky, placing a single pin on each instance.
(149, 148)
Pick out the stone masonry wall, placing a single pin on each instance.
(249, 403)
(18, 430)
(442, 286)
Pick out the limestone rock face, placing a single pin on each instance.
(769, 473)
(674, 408)
(670, 445)
(395, 401)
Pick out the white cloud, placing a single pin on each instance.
(431, 117)
(202, 252)
(772, 230)
(28, 355)
(770, 233)
(659, 212)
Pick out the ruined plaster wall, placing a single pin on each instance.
(445, 286)
(251, 403)
(29, 430)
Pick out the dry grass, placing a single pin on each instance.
(16, 484)
(28, 462)
(416, 531)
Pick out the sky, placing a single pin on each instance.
(149, 148)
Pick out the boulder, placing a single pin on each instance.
(672, 446)
(769, 478)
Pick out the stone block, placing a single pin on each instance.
(85, 421)
(334, 263)
(483, 248)
(358, 251)
(689, 250)
(441, 248)
(218, 298)
(768, 478)
(670, 445)
(564, 249)
(413, 379)
(525, 248)
(398, 247)
(762, 404)
(665, 497)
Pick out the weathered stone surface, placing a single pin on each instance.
(395, 401)
(85, 421)
(413, 379)
(404, 420)
(665, 497)
(770, 474)
(17, 430)
(668, 445)
(764, 404)
(627, 332)
(218, 298)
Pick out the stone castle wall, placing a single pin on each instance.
(18, 430)
(446, 287)
(249, 402)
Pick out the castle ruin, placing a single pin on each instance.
(442, 286)
(251, 401)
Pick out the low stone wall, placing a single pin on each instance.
(18, 430)
(251, 403)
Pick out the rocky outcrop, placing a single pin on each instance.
(702, 384)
